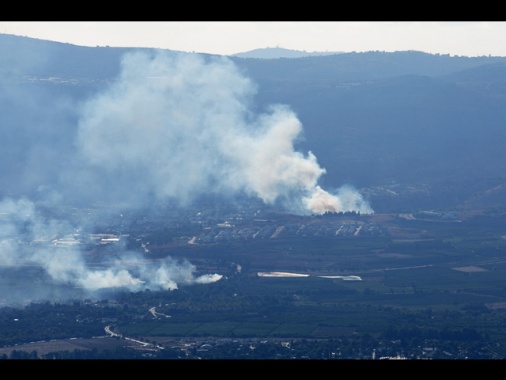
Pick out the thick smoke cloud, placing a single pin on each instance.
(171, 127)
(178, 126)
(28, 239)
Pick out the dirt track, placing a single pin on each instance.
(45, 347)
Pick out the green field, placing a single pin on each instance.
(447, 277)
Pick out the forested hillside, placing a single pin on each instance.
(427, 128)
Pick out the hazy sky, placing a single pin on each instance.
(475, 38)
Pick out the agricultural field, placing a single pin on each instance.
(426, 282)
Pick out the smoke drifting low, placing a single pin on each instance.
(171, 127)
(27, 239)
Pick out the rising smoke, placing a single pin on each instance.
(180, 126)
(170, 127)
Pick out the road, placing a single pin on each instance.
(113, 334)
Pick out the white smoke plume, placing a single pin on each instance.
(179, 126)
(172, 126)
(346, 200)
(25, 240)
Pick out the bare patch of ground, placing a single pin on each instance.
(45, 347)
(496, 305)
(395, 255)
(470, 268)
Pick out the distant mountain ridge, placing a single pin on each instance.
(412, 130)
(277, 52)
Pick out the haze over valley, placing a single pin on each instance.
(336, 133)
(133, 172)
